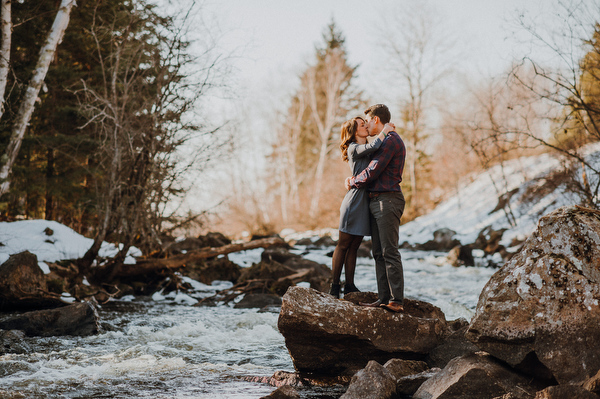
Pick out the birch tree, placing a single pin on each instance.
(329, 95)
(27, 105)
(5, 36)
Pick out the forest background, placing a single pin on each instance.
(130, 133)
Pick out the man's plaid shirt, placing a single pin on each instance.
(384, 173)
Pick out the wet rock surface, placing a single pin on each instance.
(79, 319)
(540, 313)
(326, 336)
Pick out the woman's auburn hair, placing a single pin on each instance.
(348, 135)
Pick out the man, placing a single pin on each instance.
(382, 179)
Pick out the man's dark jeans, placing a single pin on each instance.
(386, 211)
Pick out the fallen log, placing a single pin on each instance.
(145, 265)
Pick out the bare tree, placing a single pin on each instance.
(285, 154)
(421, 56)
(567, 81)
(28, 102)
(140, 116)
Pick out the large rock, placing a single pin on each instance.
(443, 240)
(454, 345)
(565, 392)
(540, 313)
(79, 319)
(13, 341)
(372, 382)
(326, 336)
(476, 376)
(23, 284)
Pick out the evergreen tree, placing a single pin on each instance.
(325, 98)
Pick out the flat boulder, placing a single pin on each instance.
(476, 376)
(79, 319)
(331, 337)
(540, 312)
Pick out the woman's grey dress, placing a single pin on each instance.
(354, 212)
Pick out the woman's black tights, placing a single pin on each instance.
(345, 254)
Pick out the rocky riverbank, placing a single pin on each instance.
(534, 334)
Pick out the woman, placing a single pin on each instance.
(354, 212)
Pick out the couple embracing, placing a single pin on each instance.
(372, 206)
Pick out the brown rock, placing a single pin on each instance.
(23, 284)
(401, 368)
(13, 341)
(372, 382)
(443, 240)
(410, 384)
(593, 384)
(453, 346)
(258, 301)
(540, 313)
(79, 319)
(461, 255)
(283, 392)
(278, 254)
(477, 376)
(214, 269)
(565, 392)
(326, 336)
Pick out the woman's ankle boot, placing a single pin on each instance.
(335, 290)
(348, 288)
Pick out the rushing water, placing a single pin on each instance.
(162, 347)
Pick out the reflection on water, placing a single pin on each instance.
(164, 349)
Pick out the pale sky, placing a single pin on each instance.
(274, 40)
(278, 37)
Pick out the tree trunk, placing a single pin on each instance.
(145, 266)
(26, 109)
(314, 204)
(49, 214)
(6, 27)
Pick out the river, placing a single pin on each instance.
(163, 347)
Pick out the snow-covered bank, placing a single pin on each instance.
(475, 205)
(50, 241)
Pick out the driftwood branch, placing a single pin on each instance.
(172, 263)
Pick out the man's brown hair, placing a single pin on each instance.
(379, 110)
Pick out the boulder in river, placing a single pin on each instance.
(476, 376)
(443, 240)
(540, 312)
(23, 284)
(330, 337)
(372, 382)
(79, 319)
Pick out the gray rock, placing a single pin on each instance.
(477, 376)
(372, 382)
(283, 392)
(401, 368)
(258, 301)
(540, 312)
(13, 341)
(79, 319)
(411, 383)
